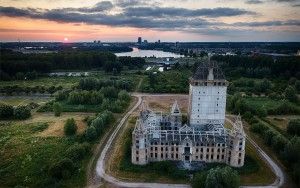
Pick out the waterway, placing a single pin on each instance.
(149, 53)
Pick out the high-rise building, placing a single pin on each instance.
(140, 40)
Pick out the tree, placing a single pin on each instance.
(22, 112)
(57, 108)
(217, 177)
(6, 111)
(62, 169)
(199, 180)
(297, 86)
(293, 127)
(70, 127)
(290, 94)
(292, 150)
(91, 133)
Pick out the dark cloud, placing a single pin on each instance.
(182, 12)
(269, 23)
(254, 2)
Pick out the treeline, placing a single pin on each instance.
(8, 112)
(15, 65)
(259, 66)
(96, 84)
(288, 150)
(174, 81)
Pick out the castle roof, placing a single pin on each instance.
(205, 69)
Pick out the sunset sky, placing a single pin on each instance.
(167, 20)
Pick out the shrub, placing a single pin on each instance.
(78, 151)
(57, 108)
(293, 127)
(22, 112)
(63, 169)
(217, 177)
(91, 133)
(6, 111)
(291, 94)
(70, 127)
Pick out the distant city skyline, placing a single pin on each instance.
(168, 20)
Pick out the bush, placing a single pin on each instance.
(78, 151)
(217, 177)
(291, 94)
(57, 108)
(40, 127)
(6, 111)
(22, 112)
(62, 169)
(91, 133)
(70, 127)
(293, 127)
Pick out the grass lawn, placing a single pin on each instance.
(254, 172)
(26, 157)
(281, 121)
(69, 82)
(15, 101)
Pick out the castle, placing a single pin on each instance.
(159, 137)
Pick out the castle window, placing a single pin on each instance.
(176, 155)
(207, 156)
(218, 157)
(137, 158)
(155, 148)
(172, 148)
(197, 150)
(218, 150)
(222, 156)
(176, 149)
(218, 92)
(240, 154)
(217, 104)
(151, 148)
(161, 155)
(212, 150)
(228, 159)
(137, 152)
(187, 144)
(201, 156)
(196, 157)
(151, 154)
(155, 155)
(166, 155)
(207, 150)
(216, 110)
(162, 149)
(239, 161)
(211, 156)
(166, 148)
(218, 98)
(137, 141)
(172, 155)
(201, 149)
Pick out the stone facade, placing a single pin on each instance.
(159, 137)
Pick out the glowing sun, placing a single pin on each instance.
(66, 39)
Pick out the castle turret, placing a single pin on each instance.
(175, 116)
(139, 145)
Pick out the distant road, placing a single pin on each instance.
(100, 166)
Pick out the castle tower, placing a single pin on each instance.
(175, 116)
(139, 145)
(237, 138)
(207, 96)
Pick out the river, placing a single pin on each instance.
(148, 53)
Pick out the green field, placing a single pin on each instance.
(25, 157)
